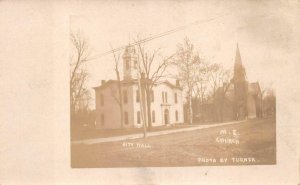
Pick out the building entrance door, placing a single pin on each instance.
(166, 116)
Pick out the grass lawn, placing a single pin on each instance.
(256, 145)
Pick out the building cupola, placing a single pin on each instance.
(129, 63)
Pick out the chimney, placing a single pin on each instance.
(177, 83)
(102, 82)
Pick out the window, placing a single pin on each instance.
(125, 97)
(175, 96)
(137, 96)
(102, 119)
(176, 115)
(126, 118)
(164, 97)
(127, 64)
(138, 117)
(152, 96)
(166, 94)
(101, 100)
(153, 116)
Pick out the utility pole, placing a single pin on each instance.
(142, 99)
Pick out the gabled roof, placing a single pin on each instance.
(111, 82)
(171, 85)
(254, 88)
(134, 81)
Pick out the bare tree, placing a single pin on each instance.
(201, 84)
(269, 102)
(265, 92)
(78, 74)
(187, 63)
(262, 93)
(219, 79)
(215, 80)
(152, 70)
(223, 91)
(119, 98)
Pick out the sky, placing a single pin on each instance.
(264, 31)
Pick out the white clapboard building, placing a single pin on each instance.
(166, 100)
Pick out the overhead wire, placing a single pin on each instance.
(156, 36)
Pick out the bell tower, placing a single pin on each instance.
(129, 63)
(240, 86)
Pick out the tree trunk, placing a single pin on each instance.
(200, 112)
(221, 104)
(190, 108)
(120, 98)
(72, 107)
(221, 111)
(148, 97)
(141, 94)
(143, 102)
(262, 107)
(121, 105)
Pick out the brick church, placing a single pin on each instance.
(238, 99)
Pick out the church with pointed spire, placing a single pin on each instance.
(238, 99)
(240, 87)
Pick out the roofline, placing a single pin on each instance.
(114, 81)
(134, 81)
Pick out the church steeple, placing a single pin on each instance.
(238, 60)
(239, 70)
(240, 86)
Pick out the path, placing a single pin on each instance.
(149, 134)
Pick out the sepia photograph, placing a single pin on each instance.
(188, 85)
(165, 92)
